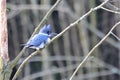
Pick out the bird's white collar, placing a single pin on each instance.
(44, 34)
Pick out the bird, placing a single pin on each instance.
(41, 39)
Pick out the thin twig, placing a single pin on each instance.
(97, 45)
(91, 10)
(15, 61)
(116, 12)
(23, 63)
(60, 34)
(115, 36)
(77, 21)
(45, 17)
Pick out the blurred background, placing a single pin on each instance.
(60, 59)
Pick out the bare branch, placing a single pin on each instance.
(45, 18)
(92, 9)
(115, 36)
(116, 12)
(97, 45)
(77, 21)
(60, 34)
(15, 61)
(23, 63)
(71, 25)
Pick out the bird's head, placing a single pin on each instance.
(46, 29)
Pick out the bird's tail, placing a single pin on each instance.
(25, 45)
(22, 44)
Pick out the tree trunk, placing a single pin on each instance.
(4, 75)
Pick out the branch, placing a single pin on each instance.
(116, 12)
(60, 34)
(23, 63)
(45, 18)
(77, 21)
(115, 36)
(91, 10)
(97, 45)
(15, 61)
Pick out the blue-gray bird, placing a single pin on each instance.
(40, 40)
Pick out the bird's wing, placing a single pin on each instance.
(37, 40)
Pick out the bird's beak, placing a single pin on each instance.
(53, 35)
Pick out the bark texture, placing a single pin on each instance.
(3, 40)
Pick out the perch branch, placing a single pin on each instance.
(23, 63)
(60, 34)
(46, 17)
(15, 61)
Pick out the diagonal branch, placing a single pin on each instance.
(15, 61)
(115, 36)
(81, 18)
(112, 11)
(97, 45)
(60, 34)
(23, 63)
(46, 17)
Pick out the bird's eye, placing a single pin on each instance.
(48, 32)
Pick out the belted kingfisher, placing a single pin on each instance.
(41, 39)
